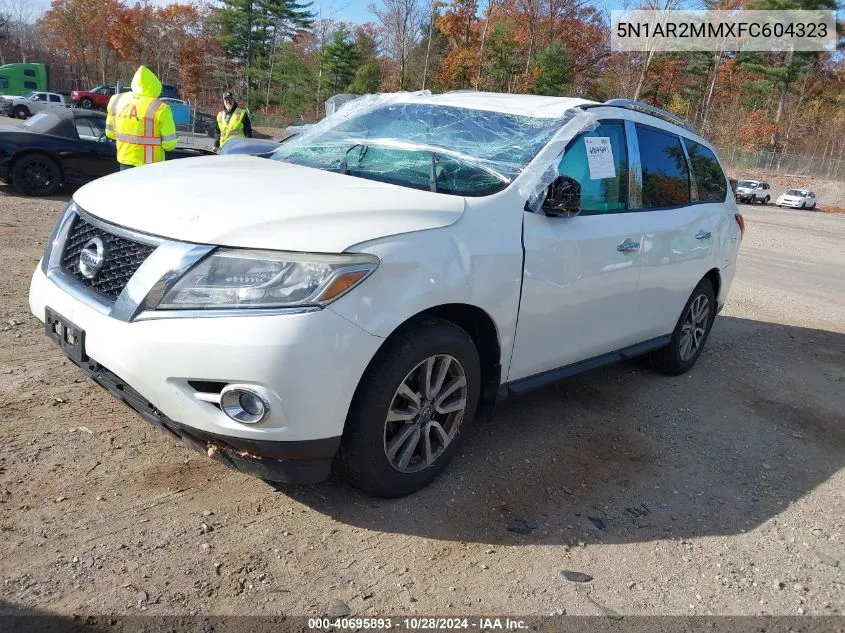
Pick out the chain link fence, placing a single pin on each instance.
(825, 167)
(194, 127)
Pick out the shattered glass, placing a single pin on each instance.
(409, 140)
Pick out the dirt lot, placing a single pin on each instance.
(719, 492)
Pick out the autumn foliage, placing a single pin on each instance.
(104, 41)
(284, 60)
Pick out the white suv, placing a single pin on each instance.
(361, 295)
(753, 191)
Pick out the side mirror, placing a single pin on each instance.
(563, 198)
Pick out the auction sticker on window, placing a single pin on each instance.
(600, 157)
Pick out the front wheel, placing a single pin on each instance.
(690, 334)
(409, 413)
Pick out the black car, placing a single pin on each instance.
(168, 90)
(62, 147)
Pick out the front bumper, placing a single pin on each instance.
(794, 204)
(304, 462)
(306, 365)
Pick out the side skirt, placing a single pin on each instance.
(536, 381)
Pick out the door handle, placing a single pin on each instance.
(702, 235)
(628, 246)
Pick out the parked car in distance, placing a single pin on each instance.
(360, 297)
(61, 146)
(797, 199)
(169, 91)
(29, 104)
(753, 191)
(96, 98)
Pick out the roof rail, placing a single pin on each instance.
(646, 108)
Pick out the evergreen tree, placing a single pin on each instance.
(250, 30)
(555, 73)
(339, 59)
(781, 70)
(502, 58)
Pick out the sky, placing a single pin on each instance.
(340, 10)
(356, 10)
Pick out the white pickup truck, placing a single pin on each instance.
(29, 104)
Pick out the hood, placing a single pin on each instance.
(145, 83)
(249, 146)
(251, 202)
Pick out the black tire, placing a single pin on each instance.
(766, 200)
(813, 207)
(669, 360)
(86, 104)
(36, 175)
(362, 459)
(21, 112)
(803, 205)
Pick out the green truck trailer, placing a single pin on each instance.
(19, 79)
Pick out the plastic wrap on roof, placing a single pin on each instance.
(411, 139)
(335, 102)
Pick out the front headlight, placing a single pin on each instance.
(241, 278)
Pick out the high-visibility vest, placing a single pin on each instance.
(234, 127)
(139, 141)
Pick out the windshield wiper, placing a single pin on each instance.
(344, 166)
(419, 147)
(432, 174)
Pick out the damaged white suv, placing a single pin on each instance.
(363, 293)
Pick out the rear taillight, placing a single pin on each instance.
(741, 222)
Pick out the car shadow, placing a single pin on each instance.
(19, 619)
(24, 620)
(63, 195)
(622, 454)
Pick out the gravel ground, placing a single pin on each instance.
(718, 492)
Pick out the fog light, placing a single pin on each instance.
(244, 405)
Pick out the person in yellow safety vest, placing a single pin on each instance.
(232, 121)
(141, 124)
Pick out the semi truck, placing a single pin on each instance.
(20, 79)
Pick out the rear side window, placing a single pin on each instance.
(710, 181)
(55, 99)
(90, 129)
(598, 160)
(665, 171)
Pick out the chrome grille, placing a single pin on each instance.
(122, 258)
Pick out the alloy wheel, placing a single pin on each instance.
(694, 328)
(38, 176)
(425, 413)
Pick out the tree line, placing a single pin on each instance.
(284, 59)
